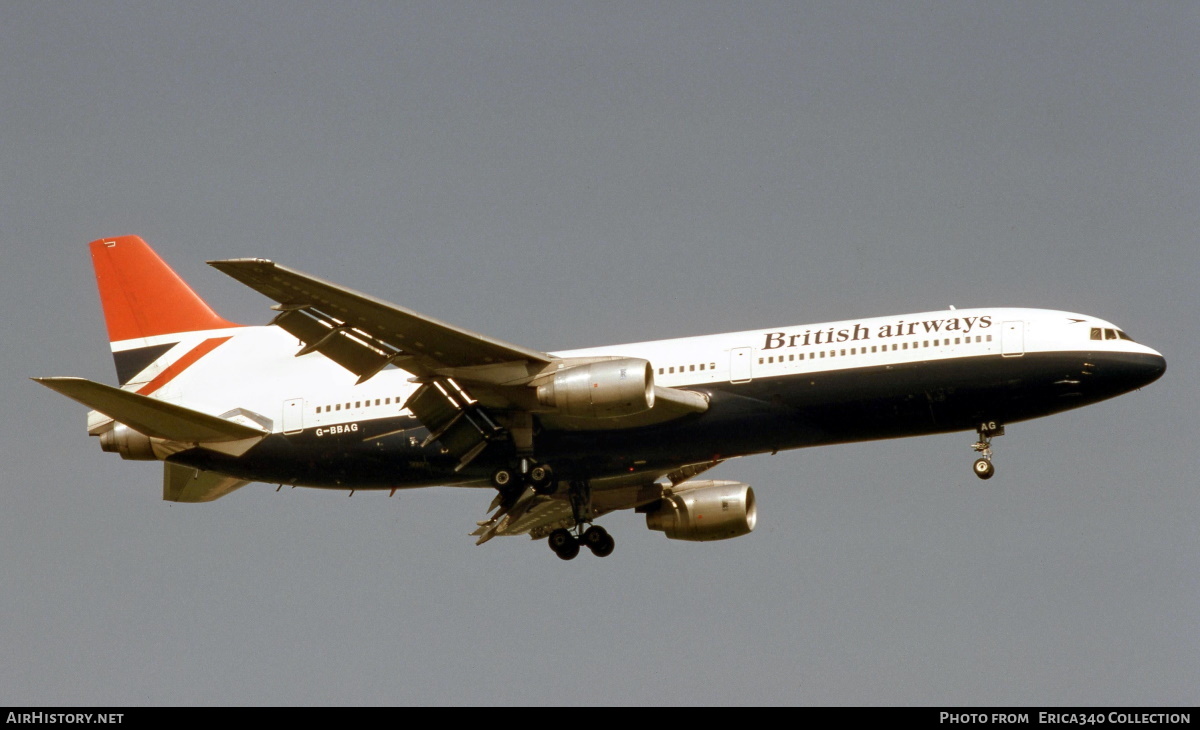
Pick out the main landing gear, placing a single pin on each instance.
(538, 476)
(984, 469)
(565, 544)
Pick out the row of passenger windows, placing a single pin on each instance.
(357, 404)
(767, 360)
(686, 368)
(1109, 334)
(874, 348)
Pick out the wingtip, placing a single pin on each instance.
(234, 263)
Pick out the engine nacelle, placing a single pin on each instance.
(130, 444)
(607, 389)
(705, 510)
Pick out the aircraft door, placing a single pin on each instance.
(293, 415)
(1012, 340)
(740, 370)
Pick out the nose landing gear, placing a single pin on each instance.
(984, 469)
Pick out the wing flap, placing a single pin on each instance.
(338, 342)
(150, 416)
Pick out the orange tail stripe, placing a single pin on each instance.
(182, 364)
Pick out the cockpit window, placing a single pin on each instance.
(1107, 333)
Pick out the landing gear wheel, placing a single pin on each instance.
(987, 431)
(594, 536)
(984, 469)
(603, 551)
(564, 544)
(599, 541)
(503, 478)
(541, 478)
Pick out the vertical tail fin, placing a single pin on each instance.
(141, 295)
(145, 301)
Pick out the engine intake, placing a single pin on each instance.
(608, 389)
(705, 510)
(130, 444)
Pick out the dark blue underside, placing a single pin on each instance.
(764, 415)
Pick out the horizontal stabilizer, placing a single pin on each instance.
(150, 416)
(185, 484)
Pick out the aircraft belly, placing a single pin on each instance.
(763, 415)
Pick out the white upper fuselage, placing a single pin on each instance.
(256, 370)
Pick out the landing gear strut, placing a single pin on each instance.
(565, 544)
(984, 469)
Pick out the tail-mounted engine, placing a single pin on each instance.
(607, 389)
(130, 444)
(704, 510)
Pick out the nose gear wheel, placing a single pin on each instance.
(984, 469)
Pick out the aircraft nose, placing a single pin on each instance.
(1155, 366)
(1121, 372)
(1144, 368)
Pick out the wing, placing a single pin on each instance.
(474, 389)
(537, 515)
(365, 334)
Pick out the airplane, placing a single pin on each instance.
(345, 391)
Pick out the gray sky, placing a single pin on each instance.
(569, 174)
